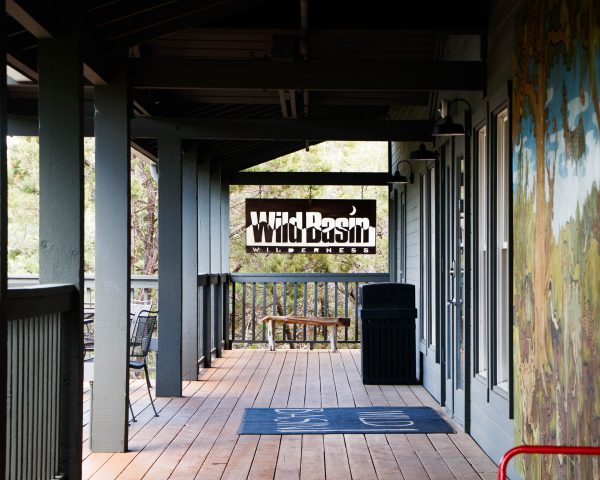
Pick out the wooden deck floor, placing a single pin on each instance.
(195, 436)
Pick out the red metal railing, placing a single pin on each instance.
(543, 449)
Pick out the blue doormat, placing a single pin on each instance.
(286, 421)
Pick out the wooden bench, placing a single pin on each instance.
(333, 322)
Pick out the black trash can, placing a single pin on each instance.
(388, 344)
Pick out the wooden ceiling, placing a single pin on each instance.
(257, 59)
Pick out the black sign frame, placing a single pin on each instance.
(311, 226)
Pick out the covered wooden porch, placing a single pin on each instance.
(195, 435)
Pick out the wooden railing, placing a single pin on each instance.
(254, 296)
(44, 382)
(143, 287)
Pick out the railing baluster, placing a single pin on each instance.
(243, 311)
(346, 309)
(356, 303)
(264, 309)
(295, 310)
(305, 307)
(253, 311)
(233, 287)
(314, 302)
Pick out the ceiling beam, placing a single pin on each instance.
(263, 129)
(309, 178)
(382, 75)
(161, 20)
(35, 19)
(29, 20)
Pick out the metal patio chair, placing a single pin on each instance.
(141, 336)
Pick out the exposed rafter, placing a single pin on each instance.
(354, 75)
(301, 129)
(160, 19)
(309, 178)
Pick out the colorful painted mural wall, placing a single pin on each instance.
(556, 225)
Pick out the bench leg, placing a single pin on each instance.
(333, 339)
(271, 334)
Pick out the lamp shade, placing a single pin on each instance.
(423, 154)
(447, 128)
(397, 178)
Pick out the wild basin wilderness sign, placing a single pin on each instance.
(310, 226)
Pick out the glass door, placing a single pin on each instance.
(454, 285)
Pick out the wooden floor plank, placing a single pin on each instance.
(337, 466)
(457, 464)
(342, 385)
(196, 436)
(312, 465)
(432, 461)
(240, 461)
(409, 462)
(298, 387)
(312, 398)
(328, 392)
(359, 392)
(265, 458)
(289, 459)
(361, 464)
(213, 417)
(473, 453)
(220, 453)
(175, 451)
(386, 466)
(150, 451)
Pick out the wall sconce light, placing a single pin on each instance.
(423, 154)
(447, 127)
(397, 178)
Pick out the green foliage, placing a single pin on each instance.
(325, 157)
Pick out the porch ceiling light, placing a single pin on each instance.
(447, 127)
(423, 154)
(398, 178)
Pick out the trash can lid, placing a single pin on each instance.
(388, 294)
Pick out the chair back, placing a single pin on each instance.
(141, 333)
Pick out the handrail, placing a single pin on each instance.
(261, 277)
(543, 449)
(32, 300)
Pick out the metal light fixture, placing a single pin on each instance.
(423, 154)
(447, 127)
(398, 178)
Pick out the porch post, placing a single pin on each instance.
(61, 217)
(204, 323)
(189, 312)
(3, 234)
(111, 323)
(168, 365)
(225, 261)
(216, 241)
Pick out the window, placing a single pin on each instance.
(482, 259)
(428, 309)
(432, 262)
(502, 253)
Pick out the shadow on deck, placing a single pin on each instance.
(195, 436)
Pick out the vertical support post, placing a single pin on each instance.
(113, 211)
(189, 307)
(216, 241)
(61, 220)
(3, 233)
(204, 324)
(225, 260)
(168, 365)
